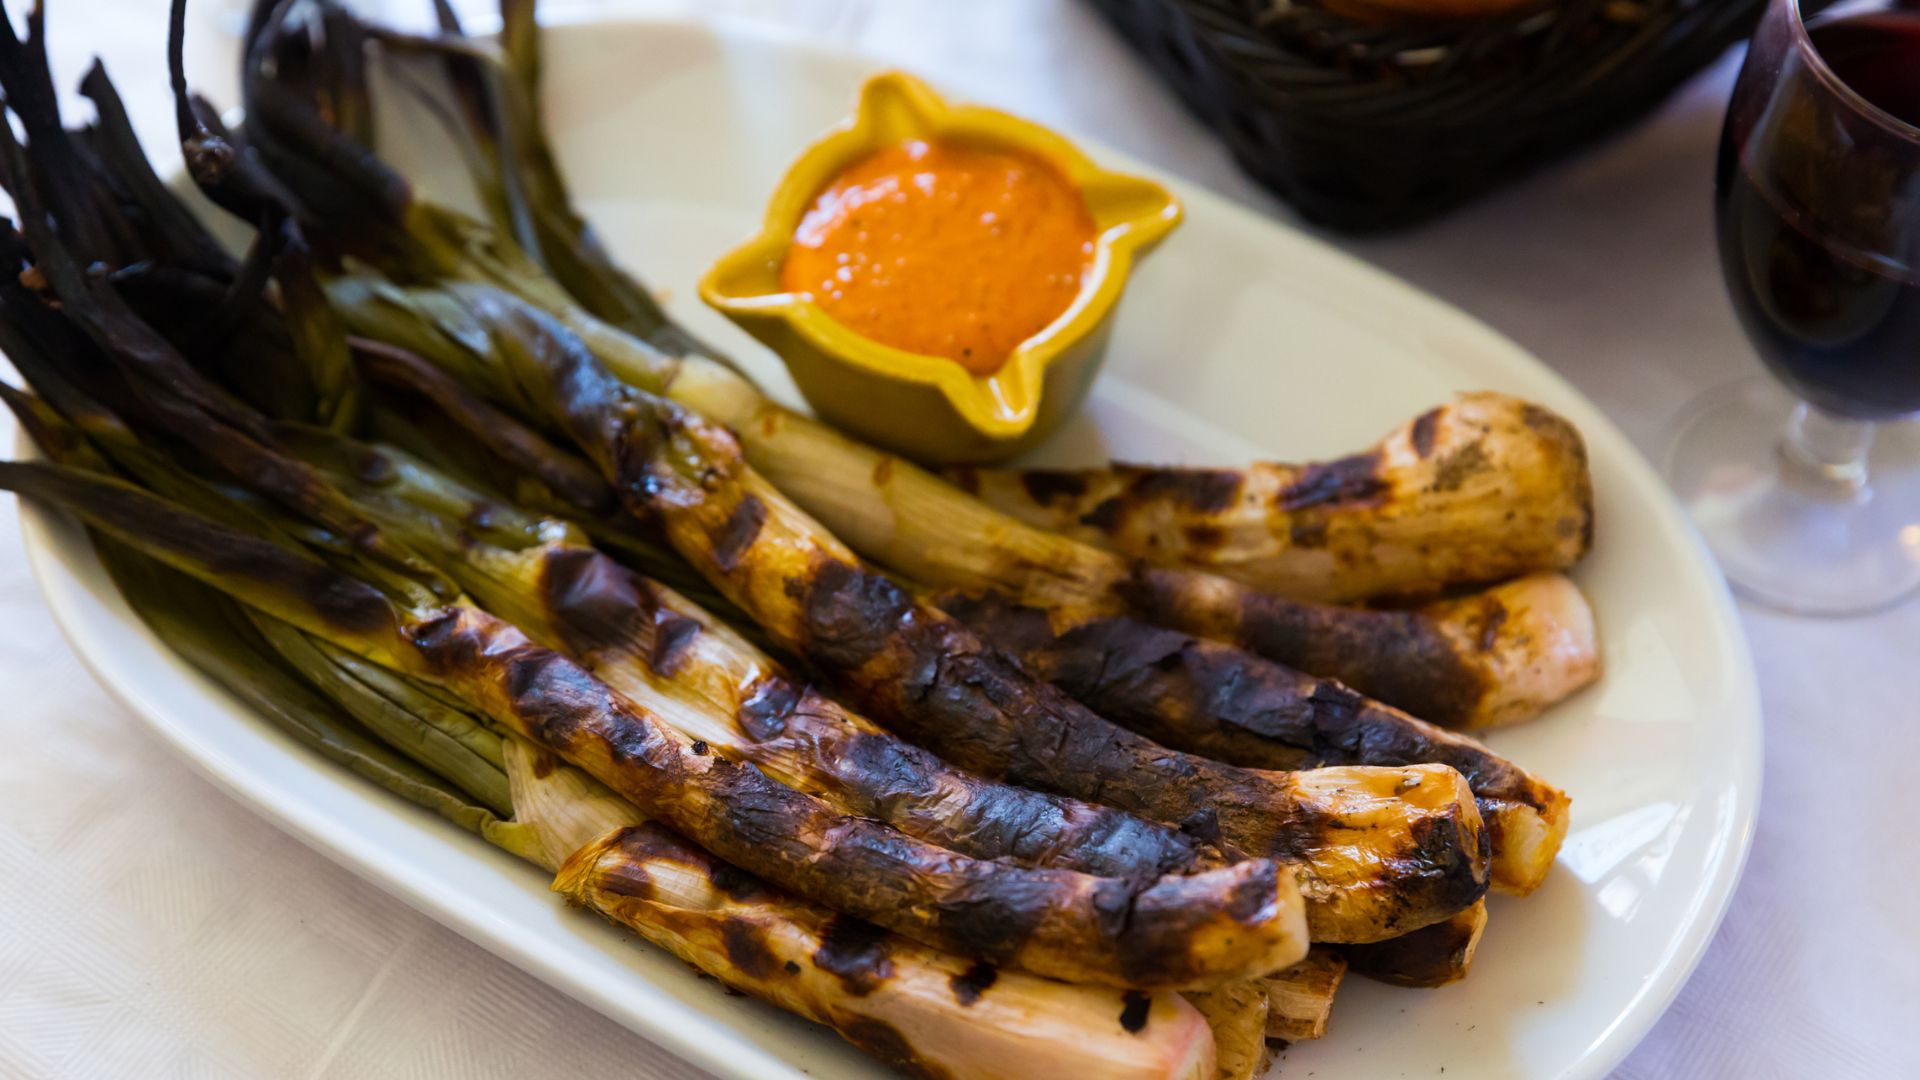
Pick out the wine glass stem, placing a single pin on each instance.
(1825, 452)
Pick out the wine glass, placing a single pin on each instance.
(1817, 201)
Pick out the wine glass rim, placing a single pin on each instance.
(1803, 40)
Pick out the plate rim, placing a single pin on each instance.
(694, 1037)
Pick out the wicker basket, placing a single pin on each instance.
(1365, 127)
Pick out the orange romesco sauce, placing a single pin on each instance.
(944, 249)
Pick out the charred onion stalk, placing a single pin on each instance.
(923, 1010)
(1382, 850)
(926, 1013)
(1211, 699)
(1214, 927)
(1430, 956)
(1484, 488)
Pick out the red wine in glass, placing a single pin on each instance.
(1821, 248)
(1817, 203)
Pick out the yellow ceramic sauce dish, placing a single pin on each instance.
(931, 407)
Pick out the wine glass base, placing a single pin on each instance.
(1784, 538)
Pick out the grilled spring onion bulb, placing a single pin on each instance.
(1481, 489)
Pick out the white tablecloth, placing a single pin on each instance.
(150, 927)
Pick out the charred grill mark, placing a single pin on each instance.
(758, 814)
(339, 602)
(880, 1040)
(1398, 657)
(1046, 485)
(1133, 1011)
(448, 643)
(851, 614)
(1308, 533)
(1424, 429)
(593, 602)
(505, 438)
(1253, 896)
(1106, 515)
(737, 535)
(1492, 616)
(734, 882)
(886, 770)
(973, 982)
(652, 842)
(746, 941)
(1430, 956)
(562, 704)
(334, 598)
(1349, 481)
(673, 635)
(627, 878)
(997, 619)
(1170, 905)
(595, 408)
(987, 921)
(1547, 423)
(1436, 861)
(856, 953)
(1458, 466)
(1493, 816)
(1203, 538)
(623, 864)
(1203, 491)
(746, 947)
(763, 715)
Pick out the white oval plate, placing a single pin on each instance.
(1239, 338)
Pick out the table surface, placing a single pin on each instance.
(150, 926)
